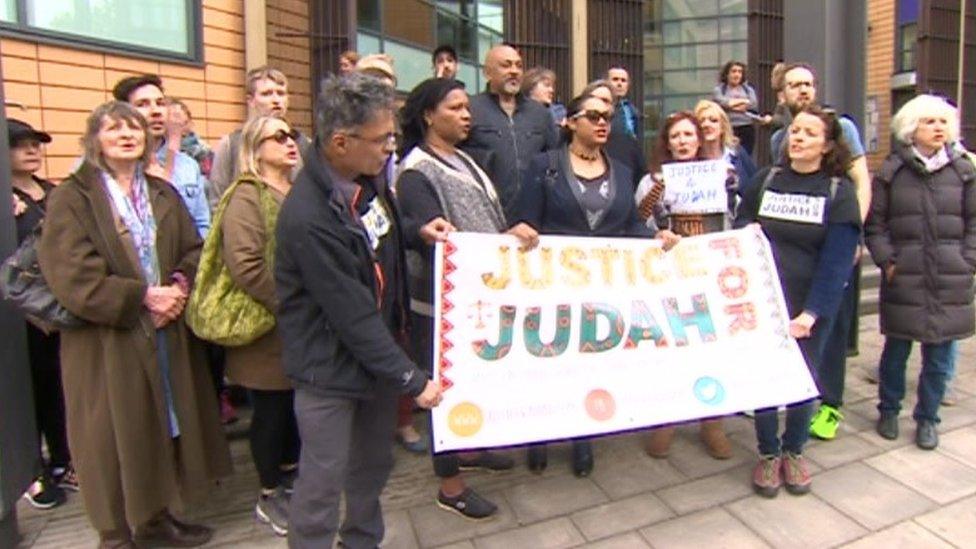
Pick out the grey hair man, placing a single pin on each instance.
(340, 278)
(266, 93)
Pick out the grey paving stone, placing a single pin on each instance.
(399, 531)
(459, 545)
(954, 417)
(713, 528)
(906, 535)
(868, 496)
(535, 501)
(843, 449)
(619, 516)
(933, 474)
(553, 534)
(630, 540)
(688, 454)
(791, 521)
(434, 526)
(953, 523)
(960, 444)
(709, 491)
(634, 474)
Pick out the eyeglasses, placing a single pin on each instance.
(281, 136)
(594, 116)
(385, 139)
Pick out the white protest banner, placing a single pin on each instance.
(696, 187)
(585, 336)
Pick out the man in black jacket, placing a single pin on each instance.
(339, 271)
(507, 129)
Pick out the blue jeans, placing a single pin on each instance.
(938, 363)
(832, 367)
(797, 415)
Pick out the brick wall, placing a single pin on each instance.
(880, 67)
(61, 85)
(291, 55)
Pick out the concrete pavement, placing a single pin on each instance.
(867, 492)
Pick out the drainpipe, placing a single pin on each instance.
(255, 33)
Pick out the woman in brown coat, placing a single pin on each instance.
(118, 250)
(268, 154)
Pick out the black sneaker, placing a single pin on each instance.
(888, 425)
(288, 480)
(468, 504)
(66, 478)
(43, 493)
(487, 461)
(273, 510)
(926, 436)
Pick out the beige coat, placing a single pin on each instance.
(256, 365)
(128, 465)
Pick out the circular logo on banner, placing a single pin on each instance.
(465, 419)
(600, 404)
(709, 391)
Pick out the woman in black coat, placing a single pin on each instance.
(578, 190)
(922, 234)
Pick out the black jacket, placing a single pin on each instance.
(504, 146)
(334, 336)
(548, 203)
(925, 225)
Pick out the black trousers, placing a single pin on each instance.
(274, 434)
(43, 351)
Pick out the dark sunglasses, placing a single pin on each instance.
(282, 136)
(594, 115)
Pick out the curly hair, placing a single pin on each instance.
(661, 153)
(723, 76)
(837, 159)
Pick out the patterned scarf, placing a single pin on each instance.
(136, 212)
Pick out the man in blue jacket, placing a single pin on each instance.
(507, 128)
(339, 274)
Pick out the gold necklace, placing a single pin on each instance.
(584, 155)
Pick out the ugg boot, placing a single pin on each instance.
(716, 443)
(659, 442)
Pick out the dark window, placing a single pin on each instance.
(907, 35)
(158, 28)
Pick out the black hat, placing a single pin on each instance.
(18, 131)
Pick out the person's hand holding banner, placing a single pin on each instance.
(436, 231)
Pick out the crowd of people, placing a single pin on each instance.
(320, 249)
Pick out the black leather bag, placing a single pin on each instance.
(23, 285)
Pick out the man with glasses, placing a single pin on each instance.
(507, 128)
(342, 290)
(799, 91)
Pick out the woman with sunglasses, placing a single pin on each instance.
(578, 190)
(809, 212)
(267, 155)
(681, 140)
(440, 189)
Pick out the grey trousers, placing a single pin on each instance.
(346, 448)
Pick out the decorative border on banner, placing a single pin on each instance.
(771, 282)
(443, 363)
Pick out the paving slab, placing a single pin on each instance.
(459, 545)
(535, 501)
(434, 526)
(953, 523)
(630, 540)
(634, 474)
(553, 534)
(846, 448)
(709, 491)
(961, 445)
(620, 516)
(931, 473)
(905, 535)
(688, 454)
(712, 528)
(399, 531)
(796, 521)
(871, 498)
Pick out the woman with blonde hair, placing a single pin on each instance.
(719, 141)
(268, 153)
(119, 250)
(922, 234)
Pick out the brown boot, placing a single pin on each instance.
(116, 539)
(659, 442)
(716, 443)
(165, 531)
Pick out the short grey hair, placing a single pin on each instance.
(905, 121)
(350, 101)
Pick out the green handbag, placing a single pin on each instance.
(219, 310)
